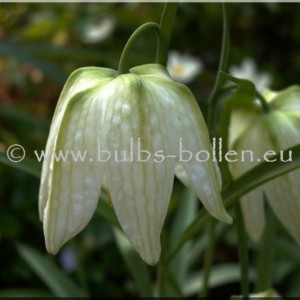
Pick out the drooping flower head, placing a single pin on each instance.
(264, 134)
(133, 129)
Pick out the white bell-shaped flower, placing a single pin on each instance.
(133, 129)
(264, 135)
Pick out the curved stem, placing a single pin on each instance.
(219, 78)
(166, 26)
(124, 60)
(248, 87)
(264, 104)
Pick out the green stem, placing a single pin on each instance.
(223, 133)
(243, 250)
(222, 67)
(166, 26)
(209, 256)
(227, 179)
(266, 255)
(124, 60)
(264, 104)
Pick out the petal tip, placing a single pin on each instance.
(227, 219)
(151, 260)
(221, 214)
(52, 249)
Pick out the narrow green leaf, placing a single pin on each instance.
(266, 255)
(27, 165)
(28, 293)
(197, 249)
(136, 266)
(53, 277)
(289, 249)
(242, 249)
(261, 174)
(220, 275)
(175, 285)
(185, 214)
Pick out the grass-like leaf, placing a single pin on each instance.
(220, 275)
(136, 266)
(27, 165)
(28, 293)
(53, 277)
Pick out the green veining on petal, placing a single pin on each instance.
(147, 107)
(58, 219)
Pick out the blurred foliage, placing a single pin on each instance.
(40, 45)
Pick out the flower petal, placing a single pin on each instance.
(195, 154)
(283, 193)
(250, 153)
(74, 179)
(79, 80)
(139, 182)
(287, 101)
(189, 132)
(241, 118)
(283, 196)
(254, 213)
(182, 176)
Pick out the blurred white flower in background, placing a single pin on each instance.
(248, 70)
(94, 32)
(270, 294)
(183, 67)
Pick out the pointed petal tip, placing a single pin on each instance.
(150, 252)
(51, 249)
(52, 244)
(150, 260)
(255, 236)
(229, 219)
(225, 217)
